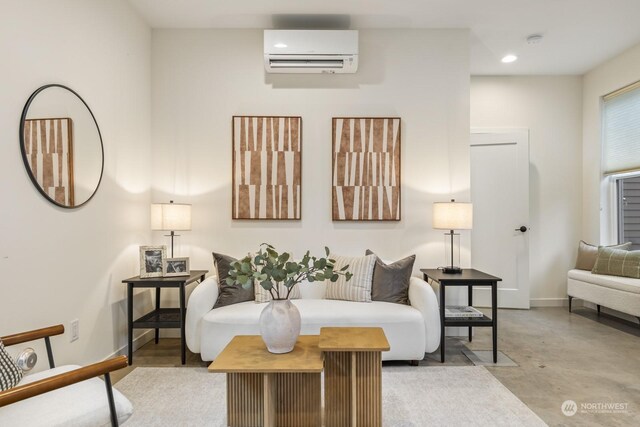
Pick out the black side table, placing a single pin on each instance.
(161, 317)
(468, 278)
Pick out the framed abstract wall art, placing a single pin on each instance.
(366, 168)
(267, 167)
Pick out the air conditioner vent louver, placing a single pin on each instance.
(306, 63)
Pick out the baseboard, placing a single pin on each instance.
(138, 342)
(549, 302)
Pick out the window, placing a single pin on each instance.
(628, 198)
(621, 159)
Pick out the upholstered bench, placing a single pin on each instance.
(618, 293)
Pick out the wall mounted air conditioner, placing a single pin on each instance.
(311, 51)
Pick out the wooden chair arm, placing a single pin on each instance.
(33, 335)
(45, 385)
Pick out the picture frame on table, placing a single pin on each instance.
(176, 267)
(152, 261)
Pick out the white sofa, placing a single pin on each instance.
(618, 293)
(412, 330)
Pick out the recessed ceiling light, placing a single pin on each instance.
(509, 59)
(280, 45)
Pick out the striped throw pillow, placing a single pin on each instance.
(359, 287)
(617, 262)
(10, 373)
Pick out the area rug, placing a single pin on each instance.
(412, 397)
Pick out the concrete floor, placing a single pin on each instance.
(581, 356)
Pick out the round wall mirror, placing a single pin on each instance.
(61, 146)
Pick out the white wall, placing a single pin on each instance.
(201, 78)
(57, 264)
(551, 108)
(606, 78)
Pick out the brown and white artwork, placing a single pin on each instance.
(49, 151)
(267, 167)
(366, 169)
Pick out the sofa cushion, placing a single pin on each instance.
(315, 290)
(10, 373)
(359, 287)
(229, 294)
(81, 404)
(587, 254)
(391, 281)
(321, 312)
(626, 284)
(403, 324)
(617, 262)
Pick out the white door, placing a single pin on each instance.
(500, 196)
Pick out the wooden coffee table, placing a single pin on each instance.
(265, 389)
(353, 375)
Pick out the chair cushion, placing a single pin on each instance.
(626, 284)
(81, 404)
(359, 287)
(10, 373)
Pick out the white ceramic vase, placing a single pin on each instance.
(280, 325)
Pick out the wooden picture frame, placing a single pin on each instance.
(267, 167)
(152, 261)
(174, 267)
(366, 168)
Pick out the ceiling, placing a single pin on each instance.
(578, 34)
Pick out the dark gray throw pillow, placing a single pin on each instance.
(391, 281)
(229, 294)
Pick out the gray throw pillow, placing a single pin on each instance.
(10, 373)
(229, 294)
(617, 262)
(391, 281)
(587, 254)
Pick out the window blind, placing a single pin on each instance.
(621, 133)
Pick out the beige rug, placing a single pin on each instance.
(412, 397)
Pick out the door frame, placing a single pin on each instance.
(521, 135)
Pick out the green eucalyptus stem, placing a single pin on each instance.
(270, 269)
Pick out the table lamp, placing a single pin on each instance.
(171, 217)
(452, 216)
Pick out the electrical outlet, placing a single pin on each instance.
(75, 330)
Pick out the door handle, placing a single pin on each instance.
(522, 229)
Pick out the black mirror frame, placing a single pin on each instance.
(23, 117)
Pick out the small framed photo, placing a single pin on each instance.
(176, 267)
(152, 259)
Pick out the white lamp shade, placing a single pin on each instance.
(170, 216)
(452, 216)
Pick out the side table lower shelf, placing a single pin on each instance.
(468, 321)
(160, 318)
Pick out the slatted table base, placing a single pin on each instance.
(274, 399)
(353, 389)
